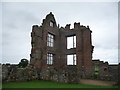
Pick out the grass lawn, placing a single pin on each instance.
(48, 84)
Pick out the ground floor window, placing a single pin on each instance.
(49, 58)
(71, 59)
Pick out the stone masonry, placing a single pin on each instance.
(39, 51)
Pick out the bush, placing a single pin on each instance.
(23, 63)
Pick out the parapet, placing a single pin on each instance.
(67, 27)
(35, 26)
(76, 25)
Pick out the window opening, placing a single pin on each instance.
(71, 59)
(71, 42)
(49, 59)
(50, 40)
(51, 23)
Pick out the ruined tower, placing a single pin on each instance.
(50, 45)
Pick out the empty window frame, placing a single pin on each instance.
(50, 40)
(49, 58)
(51, 24)
(71, 42)
(71, 59)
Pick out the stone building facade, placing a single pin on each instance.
(57, 50)
(50, 46)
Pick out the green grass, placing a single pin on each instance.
(48, 84)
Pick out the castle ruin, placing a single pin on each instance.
(51, 48)
(61, 54)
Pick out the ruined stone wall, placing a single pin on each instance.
(66, 75)
(105, 71)
(69, 74)
(14, 73)
(114, 72)
(40, 49)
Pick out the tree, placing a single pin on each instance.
(23, 63)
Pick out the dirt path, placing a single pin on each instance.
(97, 82)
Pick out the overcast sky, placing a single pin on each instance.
(18, 19)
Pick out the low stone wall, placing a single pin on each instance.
(69, 74)
(13, 73)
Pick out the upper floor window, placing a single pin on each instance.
(49, 59)
(51, 24)
(71, 42)
(50, 40)
(71, 59)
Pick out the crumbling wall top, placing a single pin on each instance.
(49, 20)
